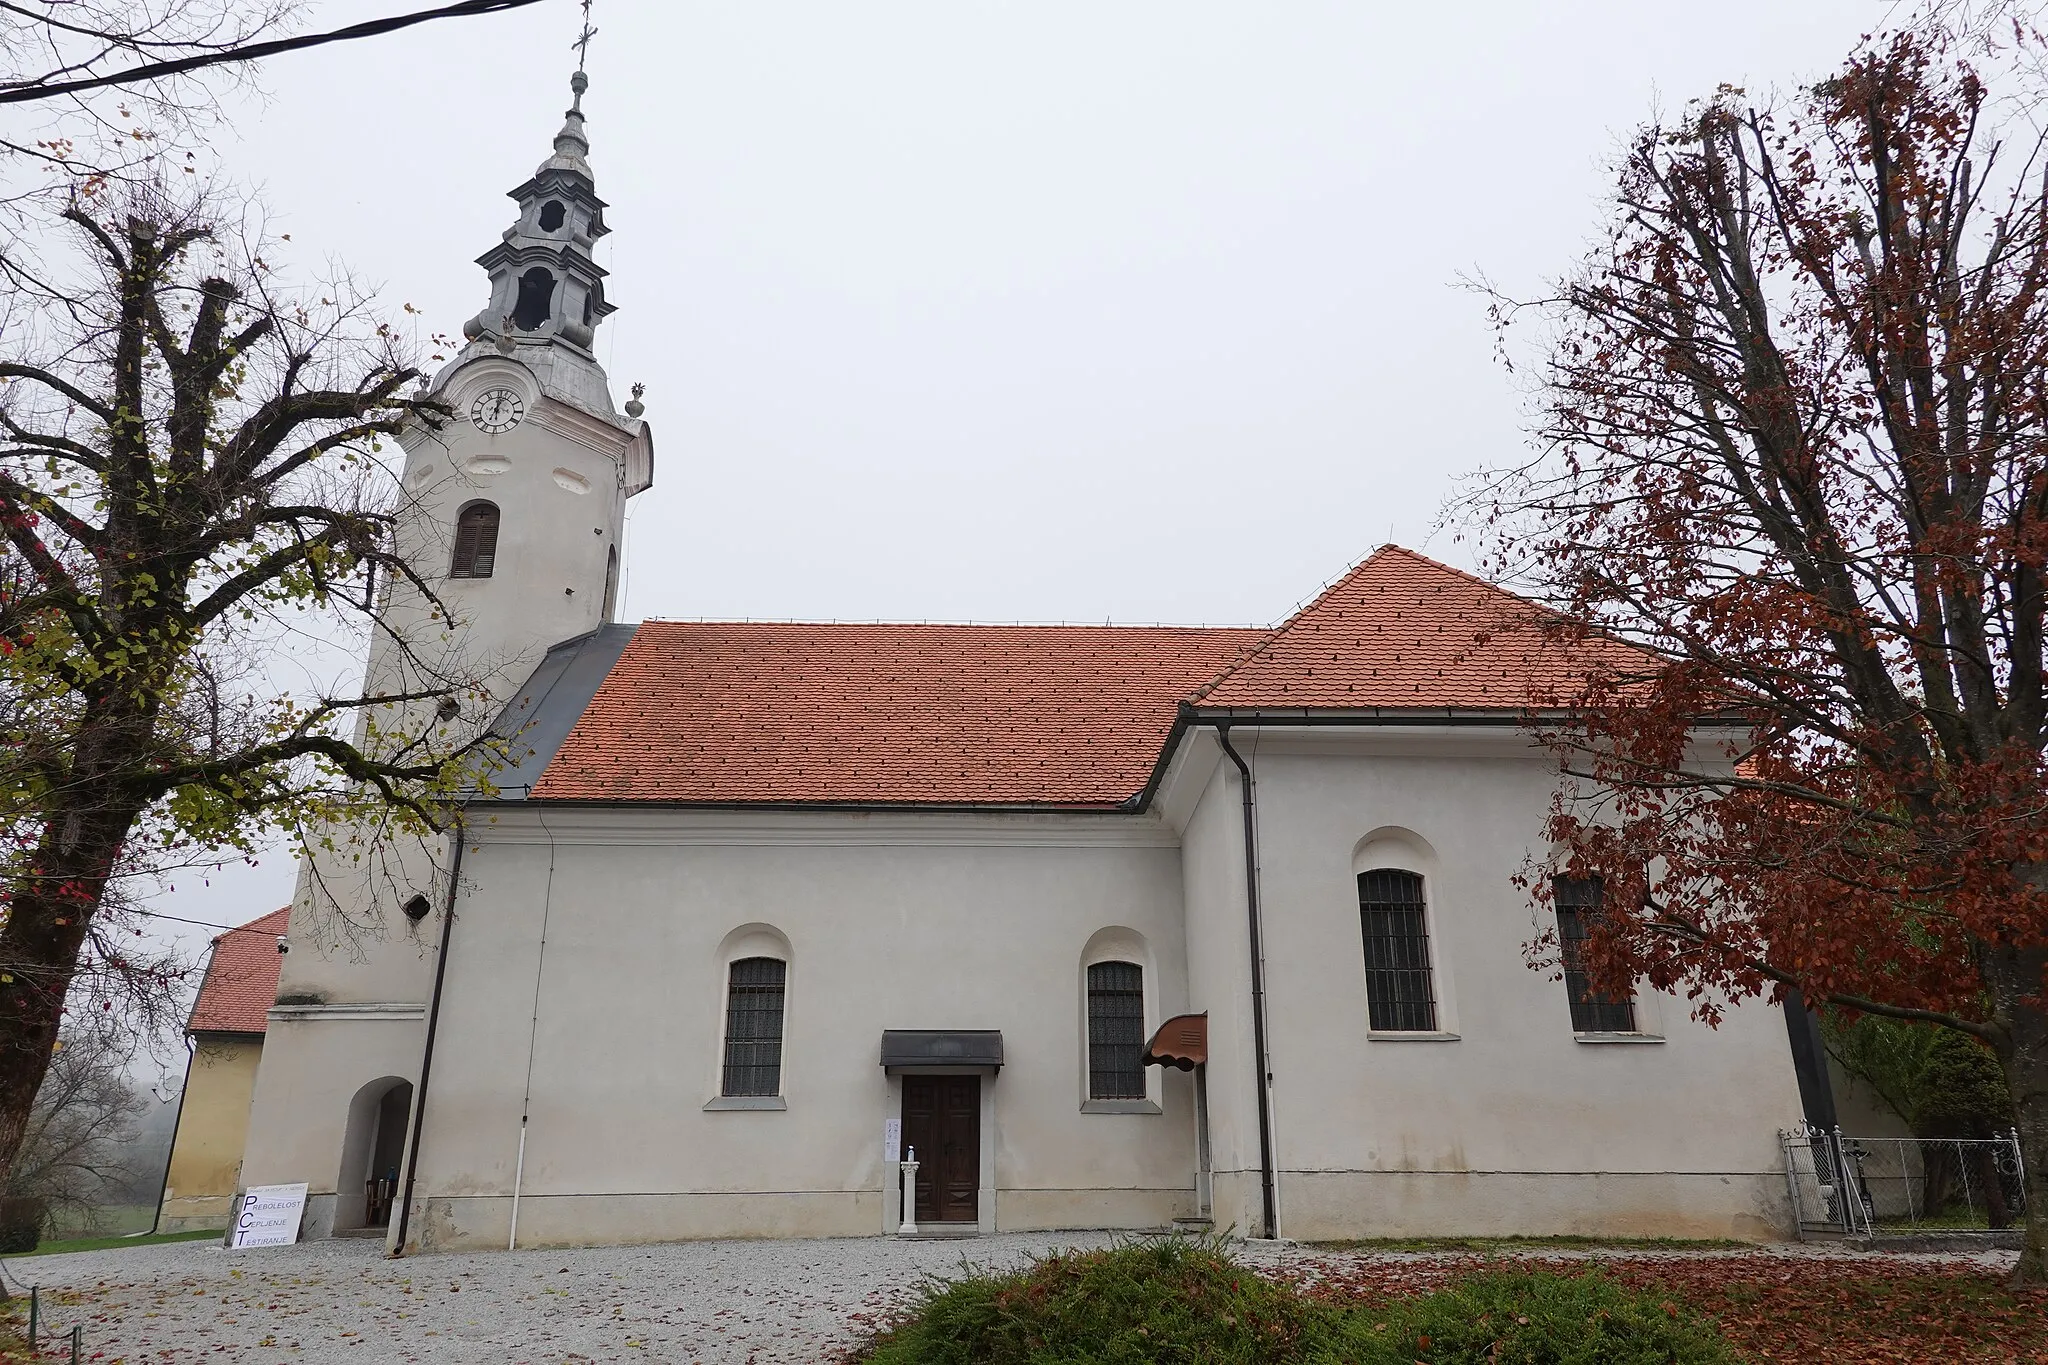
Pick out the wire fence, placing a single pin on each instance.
(1869, 1186)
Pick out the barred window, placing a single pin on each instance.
(1400, 996)
(1116, 1031)
(476, 541)
(753, 1027)
(1579, 902)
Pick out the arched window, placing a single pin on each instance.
(476, 541)
(753, 1027)
(1116, 1031)
(536, 299)
(1580, 901)
(551, 215)
(1400, 993)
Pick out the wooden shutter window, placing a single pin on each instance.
(476, 541)
(753, 1027)
(1116, 1031)
(1400, 993)
(1579, 902)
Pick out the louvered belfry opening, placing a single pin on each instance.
(1399, 992)
(1116, 1031)
(753, 1027)
(476, 541)
(1580, 902)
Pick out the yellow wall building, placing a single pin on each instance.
(225, 1038)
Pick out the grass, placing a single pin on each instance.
(1963, 1219)
(53, 1248)
(107, 1220)
(1176, 1300)
(1508, 1246)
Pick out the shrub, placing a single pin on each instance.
(1168, 1299)
(1527, 1318)
(1176, 1300)
(22, 1217)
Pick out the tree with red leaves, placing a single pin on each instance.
(1794, 443)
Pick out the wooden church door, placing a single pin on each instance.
(942, 1120)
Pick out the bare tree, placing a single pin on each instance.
(49, 43)
(193, 475)
(77, 1153)
(118, 82)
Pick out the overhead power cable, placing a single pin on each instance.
(21, 92)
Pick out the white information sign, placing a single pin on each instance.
(892, 1140)
(268, 1216)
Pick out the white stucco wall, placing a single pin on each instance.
(589, 964)
(1513, 1125)
(560, 479)
(893, 922)
(1219, 981)
(315, 1064)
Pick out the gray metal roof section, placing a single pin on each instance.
(541, 714)
(913, 1048)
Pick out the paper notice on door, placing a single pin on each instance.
(892, 1139)
(268, 1216)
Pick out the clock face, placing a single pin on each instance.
(496, 410)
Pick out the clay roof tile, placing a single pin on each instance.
(1474, 645)
(241, 978)
(753, 713)
(1059, 716)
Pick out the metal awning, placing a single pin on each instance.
(905, 1048)
(1182, 1041)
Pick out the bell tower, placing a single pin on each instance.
(512, 503)
(545, 286)
(517, 498)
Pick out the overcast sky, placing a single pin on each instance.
(971, 310)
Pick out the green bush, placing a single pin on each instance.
(1523, 1318)
(1176, 1300)
(1168, 1299)
(22, 1217)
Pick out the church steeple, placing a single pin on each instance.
(546, 287)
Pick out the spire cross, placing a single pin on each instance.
(582, 43)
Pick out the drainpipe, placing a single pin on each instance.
(1263, 1089)
(419, 1099)
(177, 1120)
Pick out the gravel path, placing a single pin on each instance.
(746, 1303)
(710, 1302)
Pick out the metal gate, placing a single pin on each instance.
(1818, 1175)
(1865, 1186)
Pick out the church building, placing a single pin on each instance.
(1117, 927)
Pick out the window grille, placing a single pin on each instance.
(1400, 996)
(476, 541)
(1579, 901)
(1116, 1031)
(753, 1027)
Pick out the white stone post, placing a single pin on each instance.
(909, 1228)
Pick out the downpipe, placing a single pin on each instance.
(419, 1102)
(1263, 1089)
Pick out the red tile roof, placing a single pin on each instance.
(1403, 631)
(1065, 716)
(241, 978)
